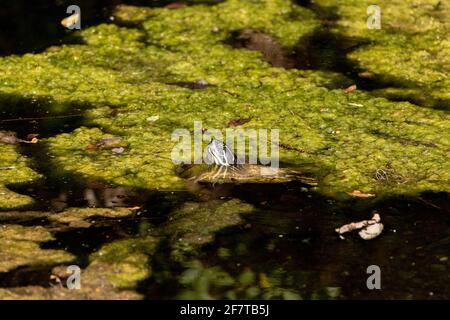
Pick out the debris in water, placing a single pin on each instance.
(371, 231)
(359, 194)
(175, 5)
(152, 118)
(71, 20)
(200, 84)
(238, 122)
(106, 143)
(370, 228)
(355, 104)
(10, 137)
(118, 150)
(365, 74)
(350, 89)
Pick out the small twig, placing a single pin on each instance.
(428, 203)
(41, 118)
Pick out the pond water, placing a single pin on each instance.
(288, 240)
(285, 247)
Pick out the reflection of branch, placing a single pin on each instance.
(428, 203)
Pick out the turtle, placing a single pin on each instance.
(225, 169)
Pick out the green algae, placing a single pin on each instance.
(125, 262)
(20, 247)
(410, 50)
(138, 166)
(196, 223)
(14, 170)
(78, 217)
(121, 77)
(92, 278)
(58, 293)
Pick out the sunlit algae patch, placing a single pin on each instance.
(123, 79)
(13, 170)
(20, 247)
(410, 51)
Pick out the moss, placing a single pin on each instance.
(20, 247)
(121, 77)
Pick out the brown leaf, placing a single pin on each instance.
(31, 136)
(366, 74)
(238, 122)
(350, 89)
(359, 194)
(91, 147)
(175, 5)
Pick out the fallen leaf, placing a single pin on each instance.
(91, 147)
(350, 89)
(108, 142)
(366, 74)
(359, 194)
(175, 5)
(70, 20)
(238, 122)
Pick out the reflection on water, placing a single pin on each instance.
(289, 244)
(286, 247)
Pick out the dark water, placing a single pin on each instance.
(290, 235)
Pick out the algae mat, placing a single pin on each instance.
(409, 53)
(122, 78)
(155, 70)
